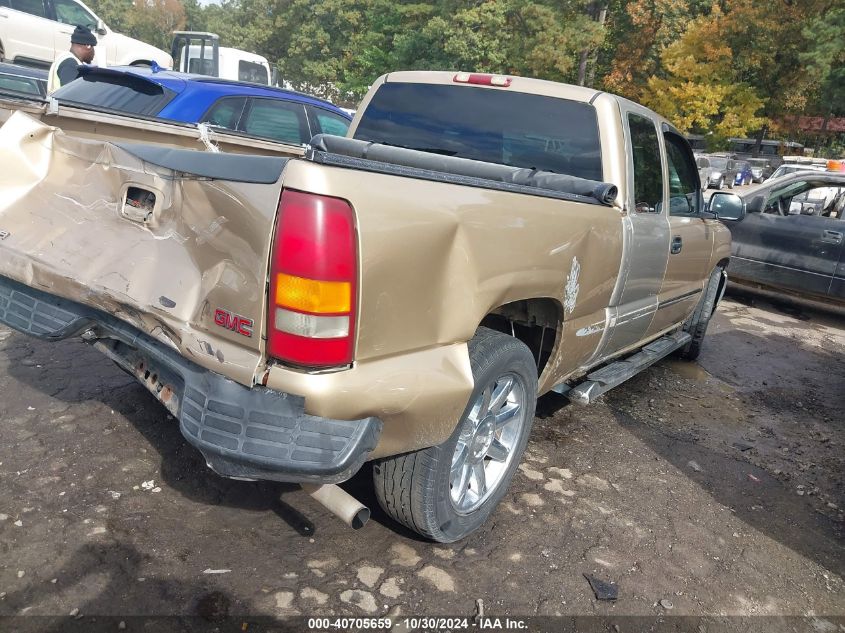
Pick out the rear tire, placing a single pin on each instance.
(697, 324)
(446, 492)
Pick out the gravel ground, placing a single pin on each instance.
(716, 488)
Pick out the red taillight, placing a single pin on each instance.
(313, 281)
(482, 80)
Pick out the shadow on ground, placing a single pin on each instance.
(116, 567)
(83, 374)
(764, 501)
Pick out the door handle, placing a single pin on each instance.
(832, 237)
(677, 245)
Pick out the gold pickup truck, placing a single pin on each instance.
(401, 295)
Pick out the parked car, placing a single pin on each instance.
(761, 169)
(261, 111)
(35, 32)
(793, 168)
(791, 239)
(723, 173)
(23, 81)
(705, 170)
(300, 316)
(743, 173)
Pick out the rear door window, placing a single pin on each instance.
(495, 126)
(283, 121)
(119, 92)
(225, 112)
(329, 122)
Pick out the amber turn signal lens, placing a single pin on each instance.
(311, 295)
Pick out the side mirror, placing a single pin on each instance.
(727, 206)
(101, 27)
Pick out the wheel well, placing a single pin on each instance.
(533, 321)
(141, 62)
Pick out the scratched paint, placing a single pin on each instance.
(570, 292)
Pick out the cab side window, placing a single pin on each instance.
(648, 172)
(819, 202)
(684, 183)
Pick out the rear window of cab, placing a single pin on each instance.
(507, 128)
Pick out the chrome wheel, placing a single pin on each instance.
(487, 442)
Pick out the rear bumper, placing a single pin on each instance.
(247, 433)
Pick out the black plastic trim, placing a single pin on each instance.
(678, 299)
(338, 160)
(235, 167)
(243, 432)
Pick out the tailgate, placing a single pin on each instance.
(173, 242)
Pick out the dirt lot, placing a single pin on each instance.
(715, 488)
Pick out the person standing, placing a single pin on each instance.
(66, 66)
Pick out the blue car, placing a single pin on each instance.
(744, 175)
(254, 110)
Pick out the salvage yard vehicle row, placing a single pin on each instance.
(400, 295)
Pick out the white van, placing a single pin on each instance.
(35, 32)
(201, 54)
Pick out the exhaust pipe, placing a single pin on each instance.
(340, 503)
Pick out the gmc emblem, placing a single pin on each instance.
(233, 322)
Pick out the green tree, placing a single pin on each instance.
(115, 13)
(824, 61)
(153, 21)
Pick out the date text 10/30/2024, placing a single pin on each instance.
(417, 624)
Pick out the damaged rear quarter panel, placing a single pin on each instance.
(207, 248)
(435, 259)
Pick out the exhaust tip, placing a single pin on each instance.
(340, 503)
(360, 519)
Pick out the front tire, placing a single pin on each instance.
(697, 324)
(446, 492)
(720, 184)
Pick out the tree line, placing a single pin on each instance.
(719, 68)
